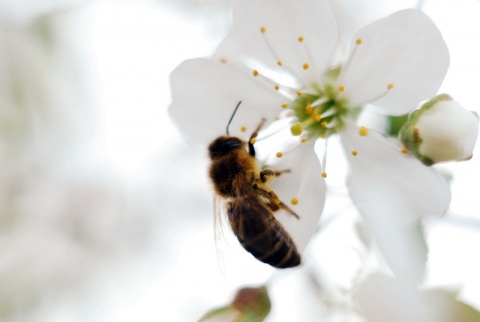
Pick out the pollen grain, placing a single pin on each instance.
(363, 131)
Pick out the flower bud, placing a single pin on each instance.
(441, 130)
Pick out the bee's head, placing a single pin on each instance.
(224, 145)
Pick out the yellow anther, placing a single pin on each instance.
(309, 109)
(253, 140)
(263, 29)
(354, 152)
(304, 140)
(296, 129)
(390, 86)
(255, 72)
(404, 150)
(284, 105)
(305, 66)
(279, 154)
(277, 87)
(294, 201)
(363, 131)
(322, 135)
(243, 129)
(324, 174)
(299, 93)
(341, 88)
(318, 118)
(324, 124)
(300, 39)
(223, 60)
(358, 41)
(279, 63)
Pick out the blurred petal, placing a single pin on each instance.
(405, 50)
(284, 23)
(393, 191)
(205, 93)
(382, 298)
(306, 184)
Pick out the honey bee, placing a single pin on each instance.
(248, 201)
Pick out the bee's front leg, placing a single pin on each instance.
(269, 172)
(251, 149)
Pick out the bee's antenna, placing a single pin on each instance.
(233, 114)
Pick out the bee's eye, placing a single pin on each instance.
(223, 146)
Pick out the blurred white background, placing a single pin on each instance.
(107, 215)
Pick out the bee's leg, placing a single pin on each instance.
(251, 149)
(269, 172)
(275, 202)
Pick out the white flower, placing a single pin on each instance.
(441, 130)
(277, 61)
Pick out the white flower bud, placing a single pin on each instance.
(441, 130)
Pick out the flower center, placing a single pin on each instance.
(321, 112)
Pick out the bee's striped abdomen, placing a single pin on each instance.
(261, 234)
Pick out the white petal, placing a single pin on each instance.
(382, 298)
(393, 191)
(405, 50)
(205, 93)
(284, 23)
(305, 183)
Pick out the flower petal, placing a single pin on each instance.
(269, 31)
(304, 183)
(205, 93)
(382, 298)
(393, 191)
(400, 61)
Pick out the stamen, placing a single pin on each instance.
(390, 86)
(255, 72)
(363, 131)
(317, 118)
(309, 109)
(223, 61)
(294, 201)
(243, 129)
(358, 41)
(296, 129)
(304, 140)
(324, 174)
(324, 124)
(341, 88)
(277, 87)
(300, 39)
(299, 93)
(354, 153)
(404, 150)
(279, 63)
(284, 105)
(263, 29)
(253, 140)
(305, 66)
(279, 154)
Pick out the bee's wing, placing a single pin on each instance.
(222, 232)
